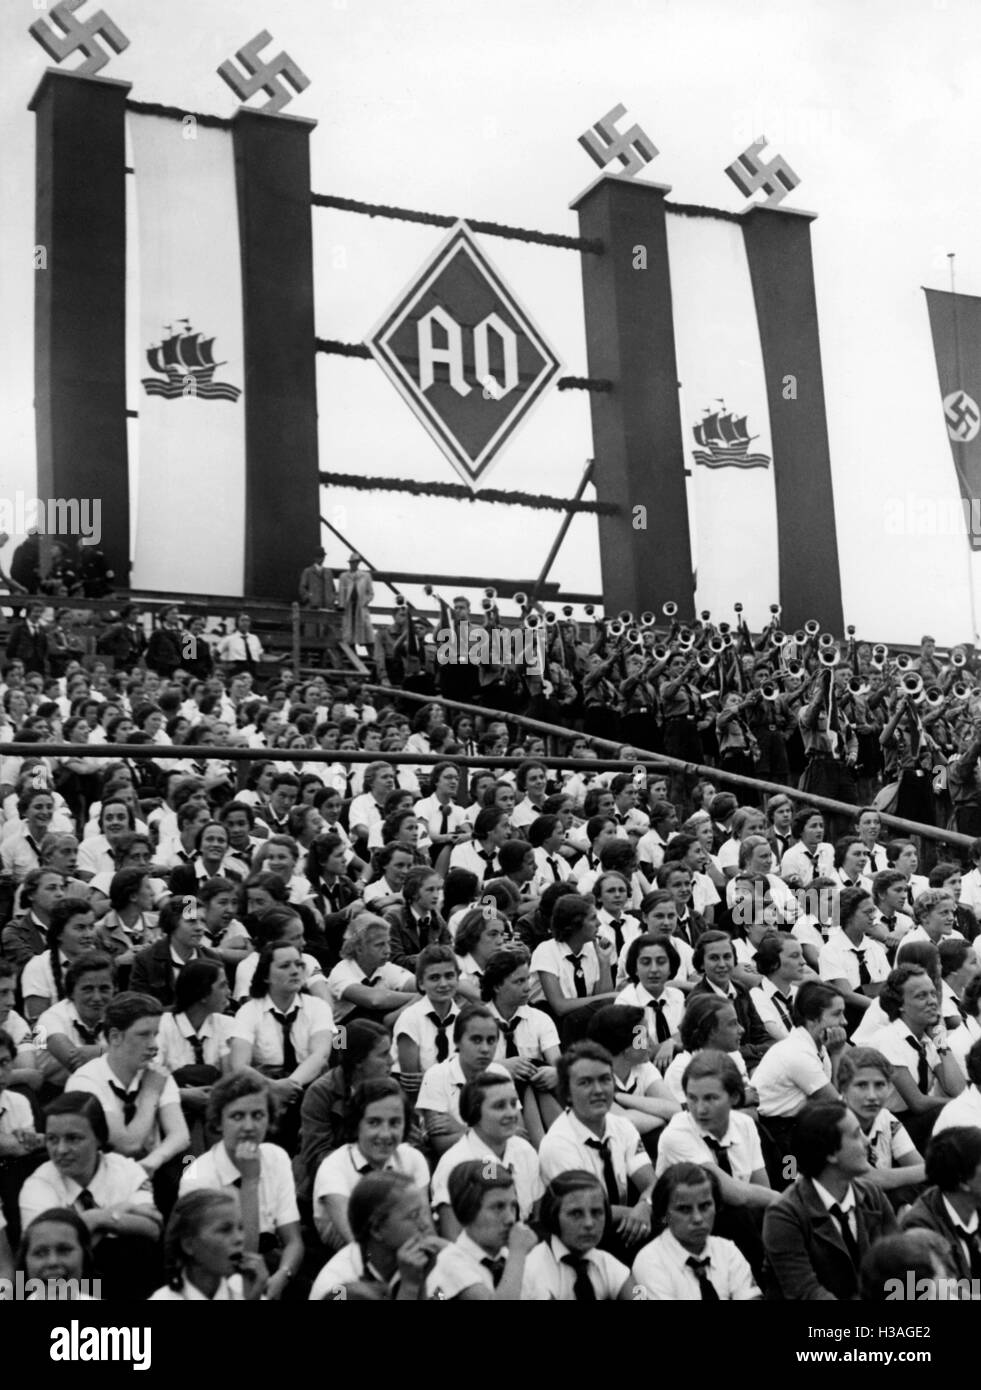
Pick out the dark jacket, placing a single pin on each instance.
(928, 1213)
(408, 939)
(805, 1249)
(164, 650)
(31, 648)
(153, 970)
(756, 1040)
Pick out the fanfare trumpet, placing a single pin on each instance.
(904, 663)
(829, 656)
(633, 637)
(616, 627)
(812, 627)
(879, 657)
(648, 619)
(912, 685)
(705, 661)
(717, 645)
(521, 599)
(825, 641)
(856, 686)
(958, 657)
(400, 601)
(770, 690)
(669, 609)
(686, 640)
(933, 697)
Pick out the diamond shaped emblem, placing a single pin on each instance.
(464, 354)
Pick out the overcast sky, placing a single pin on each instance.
(474, 109)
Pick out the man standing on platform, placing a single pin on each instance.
(354, 594)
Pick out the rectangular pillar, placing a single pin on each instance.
(637, 439)
(80, 301)
(272, 161)
(778, 247)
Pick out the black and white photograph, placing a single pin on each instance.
(490, 675)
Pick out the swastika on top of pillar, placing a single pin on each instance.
(749, 173)
(604, 143)
(79, 36)
(263, 76)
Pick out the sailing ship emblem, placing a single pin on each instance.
(187, 363)
(723, 439)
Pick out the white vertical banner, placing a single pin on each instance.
(190, 528)
(725, 422)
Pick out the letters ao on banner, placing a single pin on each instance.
(725, 419)
(190, 527)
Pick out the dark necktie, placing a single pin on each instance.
(609, 1172)
(909, 894)
(922, 1065)
(553, 864)
(127, 1099)
(442, 1041)
(285, 1022)
(813, 858)
(496, 1267)
(851, 1244)
(662, 1029)
(89, 1036)
(85, 1201)
(444, 821)
(249, 659)
(889, 922)
(721, 1152)
(582, 1288)
(872, 1154)
(960, 1009)
(683, 929)
(617, 924)
(783, 1007)
(508, 1029)
(370, 984)
(245, 855)
(970, 1239)
(707, 1290)
(578, 977)
(487, 856)
(197, 1047)
(864, 978)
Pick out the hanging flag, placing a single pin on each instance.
(190, 378)
(727, 435)
(955, 322)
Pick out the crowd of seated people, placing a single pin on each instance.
(290, 1029)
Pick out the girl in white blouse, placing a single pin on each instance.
(377, 1123)
(205, 1255)
(566, 1265)
(70, 935)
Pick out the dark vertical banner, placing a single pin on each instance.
(80, 302)
(637, 441)
(282, 515)
(778, 247)
(955, 322)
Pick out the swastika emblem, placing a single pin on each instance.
(748, 173)
(604, 143)
(963, 417)
(77, 36)
(263, 76)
